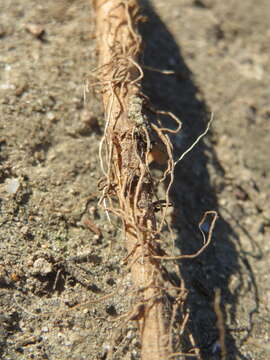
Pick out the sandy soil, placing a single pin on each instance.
(59, 254)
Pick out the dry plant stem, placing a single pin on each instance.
(220, 324)
(127, 173)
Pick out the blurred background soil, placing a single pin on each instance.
(59, 254)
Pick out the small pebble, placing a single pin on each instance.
(41, 267)
(12, 186)
(35, 29)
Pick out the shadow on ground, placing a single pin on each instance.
(193, 194)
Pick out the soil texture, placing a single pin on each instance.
(62, 277)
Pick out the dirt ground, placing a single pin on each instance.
(59, 254)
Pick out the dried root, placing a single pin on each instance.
(130, 143)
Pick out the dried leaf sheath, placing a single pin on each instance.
(127, 145)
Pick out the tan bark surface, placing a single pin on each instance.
(128, 147)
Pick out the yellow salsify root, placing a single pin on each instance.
(127, 143)
(128, 146)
